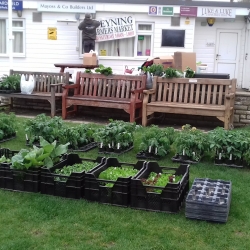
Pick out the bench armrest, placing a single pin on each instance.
(230, 96)
(140, 90)
(71, 86)
(148, 91)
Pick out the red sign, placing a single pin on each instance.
(188, 11)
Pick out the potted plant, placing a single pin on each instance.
(153, 70)
(190, 145)
(156, 142)
(7, 126)
(104, 70)
(10, 84)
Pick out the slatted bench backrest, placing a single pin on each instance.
(192, 91)
(43, 80)
(109, 87)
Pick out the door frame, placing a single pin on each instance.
(246, 62)
(218, 31)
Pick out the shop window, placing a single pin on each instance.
(140, 45)
(18, 31)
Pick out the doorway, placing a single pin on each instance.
(227, 52)
(246, 75)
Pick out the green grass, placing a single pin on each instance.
(35, 221)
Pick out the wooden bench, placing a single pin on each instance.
(48, 86)
(97, 90)
(205, 97)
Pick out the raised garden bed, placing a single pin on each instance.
(62, 180)
(168, 198)
(107, 191)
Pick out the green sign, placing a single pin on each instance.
(141, 38)
(167, 11)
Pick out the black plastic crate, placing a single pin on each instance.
(119, 193)
(73, 186)
(172, 195)
(8, 154)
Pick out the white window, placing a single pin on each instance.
(140, 45)
(19, 37)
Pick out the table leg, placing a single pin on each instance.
(62, 69)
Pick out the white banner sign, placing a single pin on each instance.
(116, 28)
(66, 7)
(216, 12)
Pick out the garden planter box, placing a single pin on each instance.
(229, 163)
(172, 195)
(8, 138)
(119, 193)
(209, 200)
(73, 186)
(147, 155)
(183, 159)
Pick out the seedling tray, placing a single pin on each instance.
(119, 193)
(172, 195)
(209, 200)
(228, 163)
(8, 138)
(85, 148)
(146, 155)
(115, 151)
(73, 185)
(183, 159)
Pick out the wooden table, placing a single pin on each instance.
(74, 65)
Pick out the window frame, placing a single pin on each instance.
(15, 29)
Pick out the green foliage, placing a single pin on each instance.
(192, 142)
(160, 180)
(7, 125)
(170, 73)
(85, 166)
(47, 155)
(3, 159)
(87, 71)
(11, 82)
(116, 132)
(154, 69)
(113, 173)
(230, 142)
(158, 140)
(189, 73)
(104, 70)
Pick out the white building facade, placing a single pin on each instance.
(46, 32)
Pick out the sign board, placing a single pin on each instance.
(218, 12)
(140, 38)
(116, 28)
(160, 10)
(52, 33)
(66, 7)
(103, 52)
(16, 5)
(188, 11)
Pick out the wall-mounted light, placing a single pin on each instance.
(210, 21)
(19, 13)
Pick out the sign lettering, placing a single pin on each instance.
(16, 5)
(216, 12)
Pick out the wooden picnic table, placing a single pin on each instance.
(74, 65)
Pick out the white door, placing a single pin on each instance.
(227, 52)
(246, 74)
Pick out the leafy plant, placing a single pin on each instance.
(44, 126)
(3, 159)
(47, 155)
(87, 71)
(160, 180)
(191, 142)
(157, 140)
(104, 70)
(189, 73)
(11, 82)
(75, 168)
(7, 125)
(154, 69)
(170, 73)
(113, 173)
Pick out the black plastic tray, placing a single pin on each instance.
(146, 155)
(7, 139)
(228, 163)
(115, 151)
(185, 159)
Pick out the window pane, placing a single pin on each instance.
(120, 47)
(18, 42)
(2, 36)
(17, 23)
(144, 27)
(144, 45)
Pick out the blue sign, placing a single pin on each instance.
(16, 5)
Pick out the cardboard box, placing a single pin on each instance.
(182, 60)
(166, 61)
(90, 59)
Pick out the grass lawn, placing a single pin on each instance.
(35, 221)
